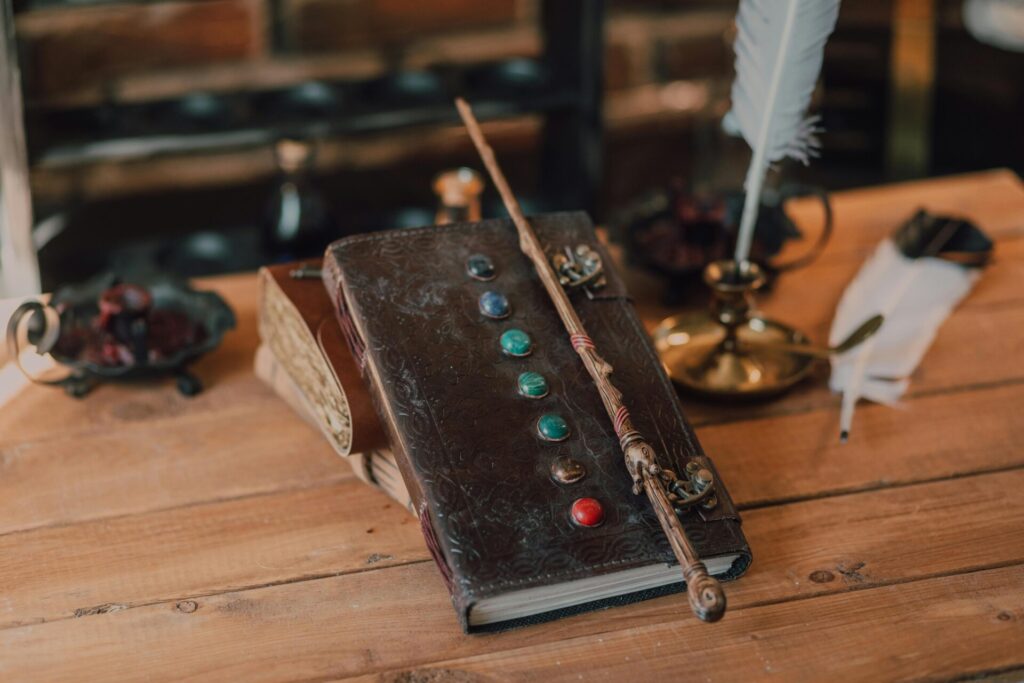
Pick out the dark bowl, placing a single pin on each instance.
(78, 305)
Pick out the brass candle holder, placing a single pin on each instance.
(731, 352)
(734, 352)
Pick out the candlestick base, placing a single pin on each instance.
(731, 352)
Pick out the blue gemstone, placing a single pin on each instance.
(494, 305)
(516, 343)
(480, 267)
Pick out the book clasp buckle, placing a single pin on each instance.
(579, 267)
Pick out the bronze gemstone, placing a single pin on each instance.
(567, 471)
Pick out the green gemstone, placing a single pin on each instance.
(552, 427)
(533, 385)
(516, 343)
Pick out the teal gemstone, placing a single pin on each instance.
(533, 385)
(552, 427)
(516, 343)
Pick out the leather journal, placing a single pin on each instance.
(513, 467)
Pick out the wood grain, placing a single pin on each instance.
(133, 448)
(792, 298)
(206, 547)
(147, 467)
(994, 200)
(63, 481)
(798, 456)
(988, 324)
(347, 624)
(946, 628)
(238, 398)
(255, 541)
(41, 412)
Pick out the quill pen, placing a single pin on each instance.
(779, 49)
(914, 279)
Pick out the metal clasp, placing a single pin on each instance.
(697, 488)
(579, 267)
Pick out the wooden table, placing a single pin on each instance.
(148, 536)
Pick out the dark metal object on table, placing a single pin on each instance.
(676, 234)
(946, 237)
(665, 491)
(104, 330)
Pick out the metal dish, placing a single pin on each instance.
(51, 328)
(694, 354)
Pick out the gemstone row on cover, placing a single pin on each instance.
(495, 305)
(587, 512)
(532, 385)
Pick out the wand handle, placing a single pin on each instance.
(705, 593)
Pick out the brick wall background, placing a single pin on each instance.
(88, 55)
(80, 54)
(667, 71)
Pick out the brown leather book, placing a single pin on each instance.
(298, 325)
(518, 479)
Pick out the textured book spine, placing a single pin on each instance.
(348, 319)
(282, 328)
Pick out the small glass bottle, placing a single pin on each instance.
(298, 223)
(458, 192)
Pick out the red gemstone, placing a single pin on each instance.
(587, 512)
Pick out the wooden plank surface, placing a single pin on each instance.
(340, 528)
(147, 536)
(944, 628)
(831, 545)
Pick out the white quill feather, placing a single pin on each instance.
(915, 296)
(779, 49)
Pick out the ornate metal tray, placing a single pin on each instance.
(78, 329)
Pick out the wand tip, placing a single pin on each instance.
(707, 600)
(844, 436)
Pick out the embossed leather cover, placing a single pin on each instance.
(466, 441)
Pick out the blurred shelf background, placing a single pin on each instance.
(152, 121)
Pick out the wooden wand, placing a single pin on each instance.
(705, 593)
